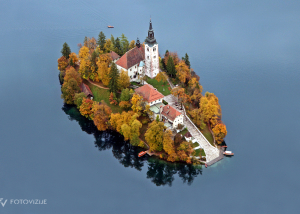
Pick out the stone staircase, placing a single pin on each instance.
(211, 152)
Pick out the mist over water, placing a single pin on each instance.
(247, 53)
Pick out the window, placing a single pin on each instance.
(147, 49)
(154, 49)
(154, 57)
(147, 57)
(130, 69)
(134, 66)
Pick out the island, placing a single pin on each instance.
(155, 102)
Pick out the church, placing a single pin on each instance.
(141, 60)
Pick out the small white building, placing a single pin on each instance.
(171, 115)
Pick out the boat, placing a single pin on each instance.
(205, 165)
(110, 26)
(142, 153)
(228, 153)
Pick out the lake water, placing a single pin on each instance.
(246, 52)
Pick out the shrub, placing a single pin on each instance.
(180, 126)
(165, 102)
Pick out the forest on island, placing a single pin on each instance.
(125, 111)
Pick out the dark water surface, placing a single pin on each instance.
(246, 52)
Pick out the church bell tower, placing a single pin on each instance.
(151, 54)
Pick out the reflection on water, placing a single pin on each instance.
(159, 172)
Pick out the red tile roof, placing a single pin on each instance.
(170, 112)
(149, 93)
(188, 135)
(114, 55)
(86, 90)
(131, 57)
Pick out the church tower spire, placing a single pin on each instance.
(151, 54)
(151, 38)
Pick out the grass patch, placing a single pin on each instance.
(208, 135)
(196, 144)
(183, 132)
(103, 94)
(162, 87)
(199, 152)
(135, 83)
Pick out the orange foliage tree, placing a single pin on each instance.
(220, 132)
(72, 73)
(62, 63)
(100, 114)
(86, 107)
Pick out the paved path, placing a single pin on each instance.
(97, 85)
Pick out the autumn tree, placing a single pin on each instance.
(128, 125)
(154, 135)
(113, 78)
(195, 89)
(101, 113)
(62, 63)
(103, 63)
(161, 77)
(66, 50)
(86, 107)
(137, 102)
(124, 80)
(78, 99)
(69, 89)
(101, 40)
(183, 72)
(210, 108)
(113, 42)
(72, 73)
(181, 95)
(168, 145)
(184, 151)
(108, 46)
(85, 62)
(132, 44)
(220, 132)
(113, 99)
(73, 59)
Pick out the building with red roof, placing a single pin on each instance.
(171, 115)
(86, 90)
(150, 94)
(114, 56)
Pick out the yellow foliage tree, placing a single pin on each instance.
(62, 63)
(154, 135)
(124, 80)
(72, 73)
(86, 107)
(161, 76)
(85, 62)
(108, 46)
(132, 44)
(103, 68)
(183, 72)
(137, 103)
(100, 115)
(220, 132)
(73, 59)
(210, 109)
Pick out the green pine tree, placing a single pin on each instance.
(171, 67)
(114, 77)
(101, 40)
(66, 50)
(118, 49)
(186, 60)
(124, 44)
